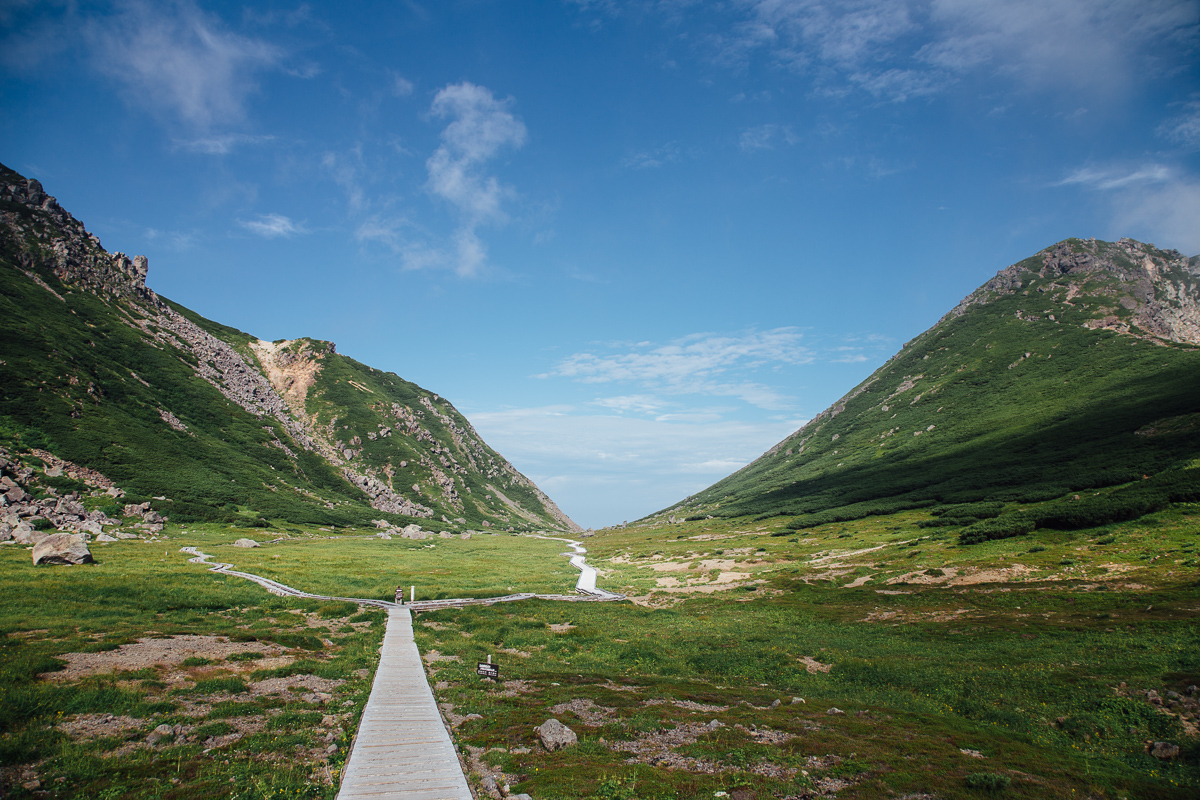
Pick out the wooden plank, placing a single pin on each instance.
(402, 749)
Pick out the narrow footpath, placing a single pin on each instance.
(403, 748)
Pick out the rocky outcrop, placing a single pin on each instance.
(50, 235)
(1161, 288)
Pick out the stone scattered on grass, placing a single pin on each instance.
(555, 735)
(1164, 750)
(61, 548)
(834, 710)
(586, 710)
(246, 543)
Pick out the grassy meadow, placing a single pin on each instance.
(1013, 668)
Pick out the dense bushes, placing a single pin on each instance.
(1128, 503)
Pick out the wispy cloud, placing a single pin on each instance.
(480, 127)
(1184, 129)
(273, 226)
(897, 50)
(1152, 202)
(401, 86)
(1106, 178)
(220, 145)
(766, 137)
(704, 364)
(175, 58)
(652, 159)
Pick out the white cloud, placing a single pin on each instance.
(174, 57)
(1150, 202)
(480, 127)
(602, 469)
(273, 226)
(696, 364)
(1166, 215)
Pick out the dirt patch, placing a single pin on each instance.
(519, 653)
(930, 577)
(971, 576)
(669, 566)
(320, 689)
(838, 555)
(812, 666)
(688, 705)
(585, 710)
(155, 652)
(434, 655)
(658, 748)
(95, 726)
(859, 581)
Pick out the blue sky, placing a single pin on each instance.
(636, 243)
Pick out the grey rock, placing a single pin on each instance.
(161, 733)
(5, 532)
(15, 495)
(555, 735)
(489, 787)
(61, 548)
(90, 526)
(521, 796)
(835, 710)
(125, 535)
(152, 518)
(24, 533)
(1164, 750)
(246, 543)
(104, 537)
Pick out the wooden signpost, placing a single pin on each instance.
(488, 670)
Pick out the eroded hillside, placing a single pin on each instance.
(106, 373)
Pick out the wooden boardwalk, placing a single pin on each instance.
(402, 749)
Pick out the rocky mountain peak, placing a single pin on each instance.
(1128, 286)
(44, 233)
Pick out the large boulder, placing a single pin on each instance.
(61, 548)
(246, 543)
(555, 735)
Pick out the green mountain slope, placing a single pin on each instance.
(1074, 370)
(99, 370)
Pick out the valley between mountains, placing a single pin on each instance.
(975, 575)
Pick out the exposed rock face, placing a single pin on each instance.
(76, 254)
(1160, 287)
(61, 548)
